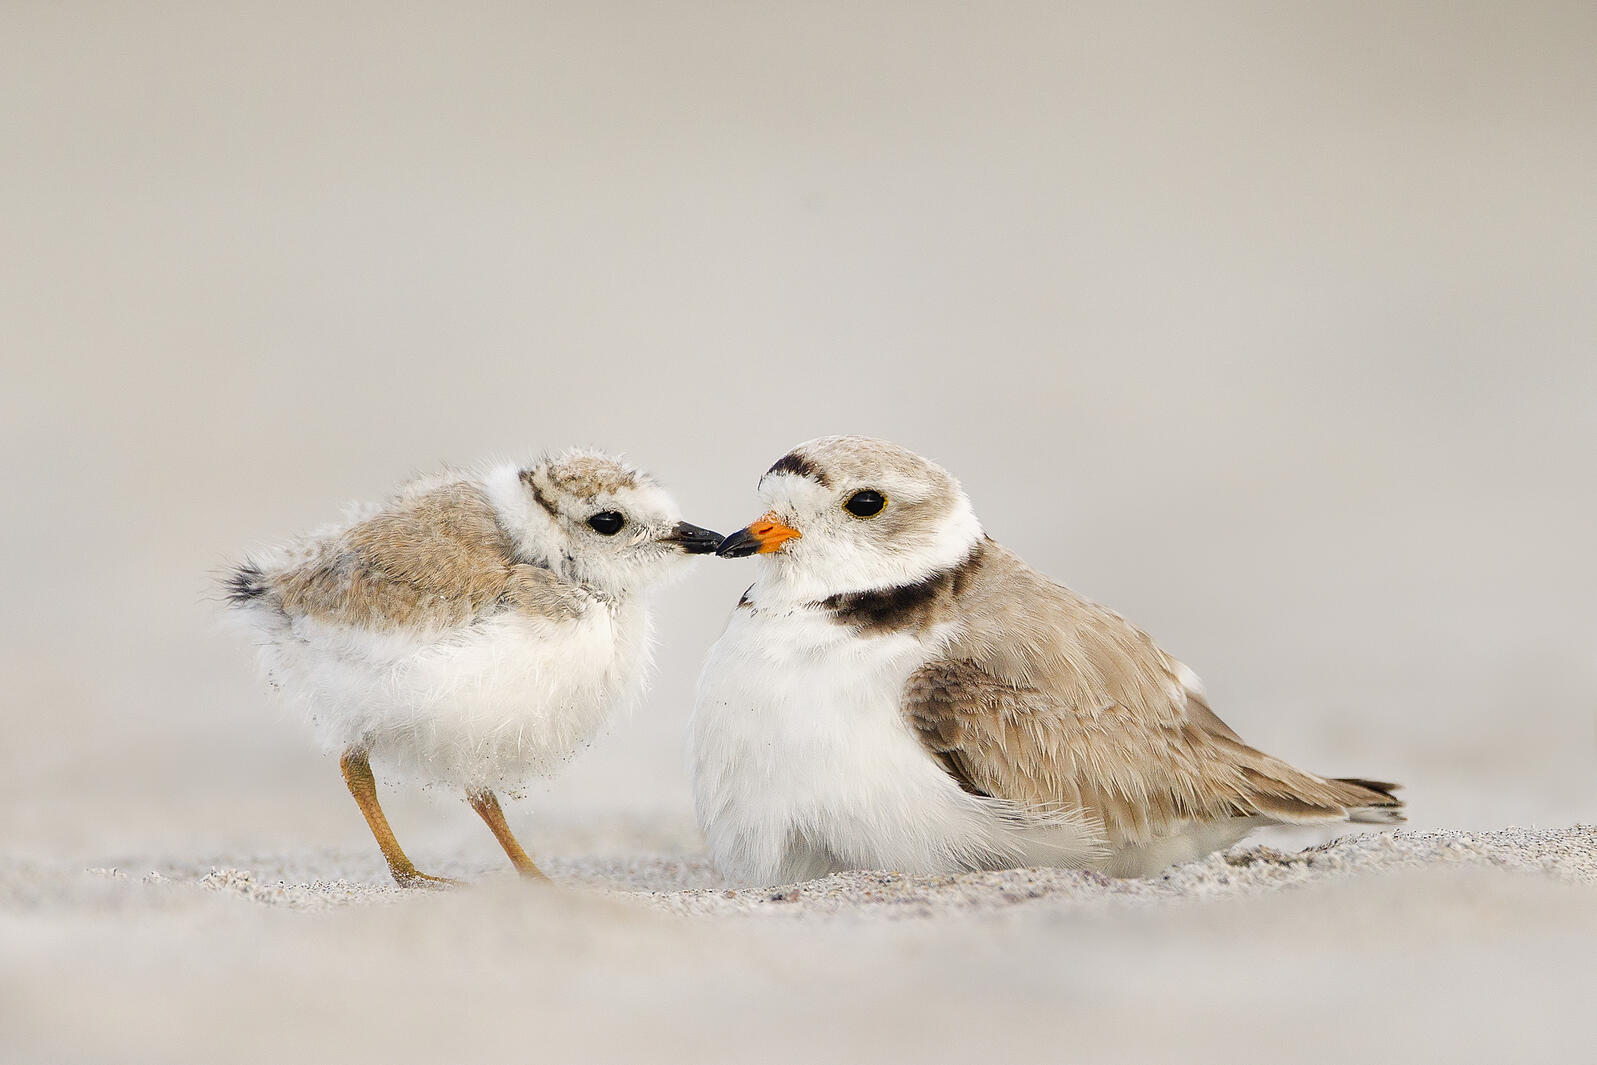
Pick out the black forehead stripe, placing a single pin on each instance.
(906, 607)
(793, 462)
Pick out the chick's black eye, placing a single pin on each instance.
(607, 522)
(866, 504)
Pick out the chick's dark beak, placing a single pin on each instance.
(694, 539)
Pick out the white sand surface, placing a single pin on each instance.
(1406, 946)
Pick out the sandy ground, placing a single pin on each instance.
(1270, 326)
(1399, 946)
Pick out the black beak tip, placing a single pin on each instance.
(695, 539)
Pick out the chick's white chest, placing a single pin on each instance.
(508, 697)
(803, 763)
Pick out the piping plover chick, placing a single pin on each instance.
(897, 691)
(475, 630)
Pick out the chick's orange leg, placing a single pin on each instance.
(363, 786)
(487, 806)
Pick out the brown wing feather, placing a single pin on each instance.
(435, 558)
(1050, 700)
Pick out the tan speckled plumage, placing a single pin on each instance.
(435, 557)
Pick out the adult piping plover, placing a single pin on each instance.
(473, 630)
(898, 691)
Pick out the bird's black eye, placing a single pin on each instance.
(607, 522)
(866, 504)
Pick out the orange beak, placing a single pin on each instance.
(761, 538)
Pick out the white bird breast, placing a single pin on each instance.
(803, 763)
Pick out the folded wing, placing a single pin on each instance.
(1048, 700)
(435, 559)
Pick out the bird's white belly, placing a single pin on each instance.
(485, 706)
(803, 764)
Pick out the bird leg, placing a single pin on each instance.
(363, 786)
(487, 806)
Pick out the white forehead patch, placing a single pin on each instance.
(790, 491)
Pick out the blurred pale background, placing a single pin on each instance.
(1273, 326)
